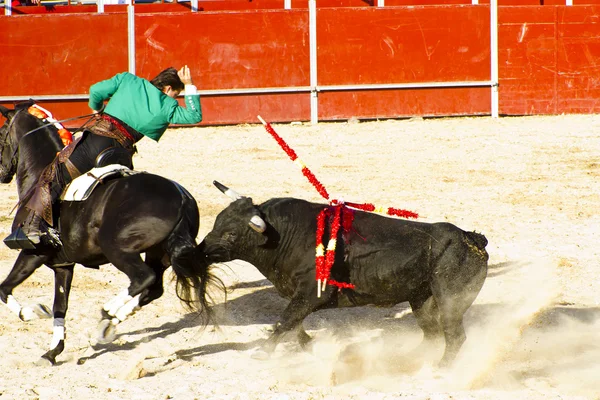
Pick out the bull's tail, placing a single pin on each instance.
(478, 239)
(192, 272)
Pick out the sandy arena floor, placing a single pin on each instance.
(531, 185)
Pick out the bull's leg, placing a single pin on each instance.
(63, 277)
(427, 314)
(24, 266)
(303, 338)
(115, 311)
(304, 302)
(460, 276)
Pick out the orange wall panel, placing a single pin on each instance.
(60, 54)
(549, 60)
(404, 103)
(402, 45)
(277, 108)
(578, 59)
(228, 50)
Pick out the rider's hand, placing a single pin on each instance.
(185, 76)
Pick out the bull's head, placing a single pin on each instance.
(238, 229)
(256, 222)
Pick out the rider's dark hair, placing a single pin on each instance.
(168, 77)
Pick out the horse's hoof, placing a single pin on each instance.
(107, 332)
(42, 311)
(260, 355)
(38, 311)
(44, 362)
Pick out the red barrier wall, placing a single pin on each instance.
(548, 58)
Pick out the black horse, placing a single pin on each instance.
(123, 218)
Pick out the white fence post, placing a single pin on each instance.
(131, 36)
(312, 29)
(494, 56)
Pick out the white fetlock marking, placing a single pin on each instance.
(58, 332)
(113, 305)
(13, 304)
(127, 308)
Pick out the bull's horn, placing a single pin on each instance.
(258, 224)
(229, 192)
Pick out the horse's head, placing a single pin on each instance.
(8, 159)
(28, 146)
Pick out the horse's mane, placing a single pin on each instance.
(38, 146)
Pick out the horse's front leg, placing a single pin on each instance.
(63, 277)
(24, 266)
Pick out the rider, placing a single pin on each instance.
(136, 108)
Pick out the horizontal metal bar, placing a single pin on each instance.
(291, 89)
(59, 97)
(416, 85)
(220, 92)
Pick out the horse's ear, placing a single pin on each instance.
(24, 105)
(4, 111)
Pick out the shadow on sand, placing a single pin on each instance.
(263, 305)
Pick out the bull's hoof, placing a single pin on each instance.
(107, 332)
(39, 310)
(260, 355)
(45, 362)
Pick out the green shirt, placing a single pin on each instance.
(139, 104)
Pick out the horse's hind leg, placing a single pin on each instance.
(141, 278)
(24, 266)
(155, 259)
(63, 277)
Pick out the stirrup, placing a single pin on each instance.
(18, 240)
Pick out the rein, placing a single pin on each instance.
(92, 115)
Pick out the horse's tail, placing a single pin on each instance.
(192, 272)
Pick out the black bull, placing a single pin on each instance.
(438, 268)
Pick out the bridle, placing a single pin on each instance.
(92, 115)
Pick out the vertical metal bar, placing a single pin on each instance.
(287, 4)
(100, 4)
(312, 31)
(131, 36)
(380, 3)
(475, 2)
(494, 56)
(194, 5)
(7, 7)
(569, 2)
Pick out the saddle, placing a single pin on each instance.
(82, 187)
(78, 190)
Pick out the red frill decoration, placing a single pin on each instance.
(320, 259)
(390, 211)
(324, 262)
(315, 182)
(291, 153)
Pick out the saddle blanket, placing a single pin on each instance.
(82, 186)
